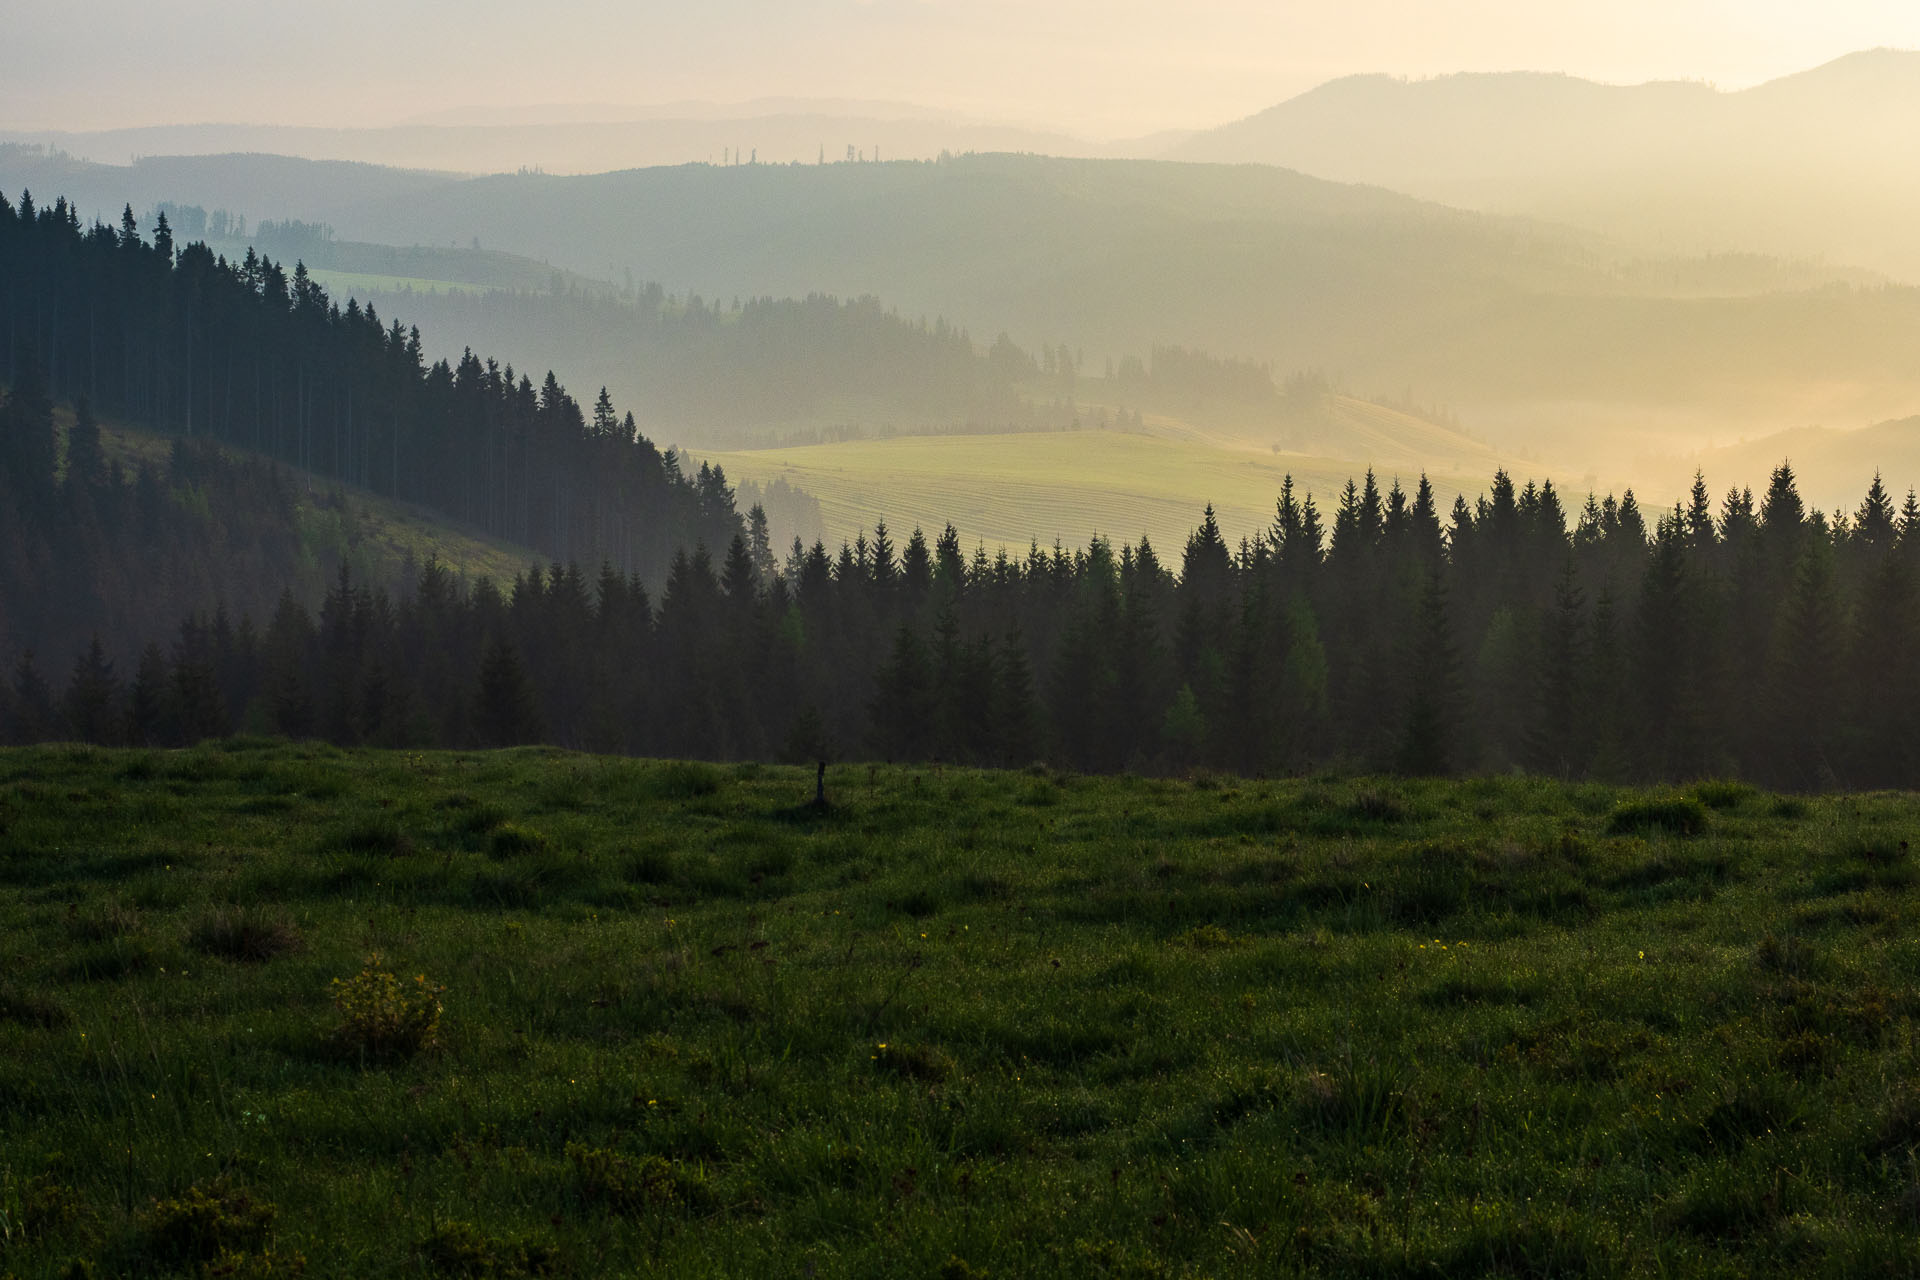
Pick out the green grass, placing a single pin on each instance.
(1006, 489)
(359, 284)
(964, 1024)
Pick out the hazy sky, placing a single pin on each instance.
(1098, 67)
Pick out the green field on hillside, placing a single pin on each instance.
(1008, 489)
(532, 1013)
(359, 284)
(373, 534)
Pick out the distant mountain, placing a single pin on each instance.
(1833, 465)
(256, 185)
(1818, 163)
(1501, 318)
(614, 112)
(1536, 335)
(594, 139)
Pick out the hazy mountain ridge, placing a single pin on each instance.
(501, 144)
(259, 186)
(1538, 335)
(1807, 164)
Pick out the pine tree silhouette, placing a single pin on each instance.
(504, 713)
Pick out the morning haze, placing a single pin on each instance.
(959, 639)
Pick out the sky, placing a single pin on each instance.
(1098, 68)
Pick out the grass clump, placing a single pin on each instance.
(1719, 793)
(383, 1017)
(1667, 815)
(631, 1185)
(913, 1061)
(103, 923)
(510, 840)
(377, 836)
(684, 780)
(31, 1009)
(1208, 937)
(204, 1223)
(249, 935)
(462, 1249)
(33, 1208)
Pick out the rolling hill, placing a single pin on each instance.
(1811, 164)
(472, 142)
(1005, 490)
(1833, 465)
(1545, 338)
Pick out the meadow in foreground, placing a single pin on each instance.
(269, 1007)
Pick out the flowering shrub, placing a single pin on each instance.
(383, 1017)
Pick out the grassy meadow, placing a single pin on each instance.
(359, 284)
(1006, 489)
(268, 1008)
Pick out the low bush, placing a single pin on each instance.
(383, 1017)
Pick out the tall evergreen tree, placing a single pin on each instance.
(1555, 745)
(35, 718)
(504, 714)
(903, 702)
(147, 700)
(1427, 743)
(92, 702)
(1805, 684)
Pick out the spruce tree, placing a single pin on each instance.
(1428, 740)
(903, 701)
(86, 460)
(1185, 729)
(287, 678)
(1805, 683)
(760, 544)
(147, 700)
(505, 714)
(1016, 717)
(93, 698)
(35, 718)
(1303, 710)
(1553, 745)
(26, 428)
(197, 706)
(1884, 681)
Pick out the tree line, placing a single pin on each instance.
(1747, 637)
(250, 355)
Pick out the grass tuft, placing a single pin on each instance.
(204, 1222)
(32, 1009)
(379, 836)
(462, 1249)
(1668, 815)
(250, 935)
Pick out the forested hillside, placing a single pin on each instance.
(248, 355)
(1754, 637)
(752, 372)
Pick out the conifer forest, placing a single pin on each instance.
(1732, 635)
